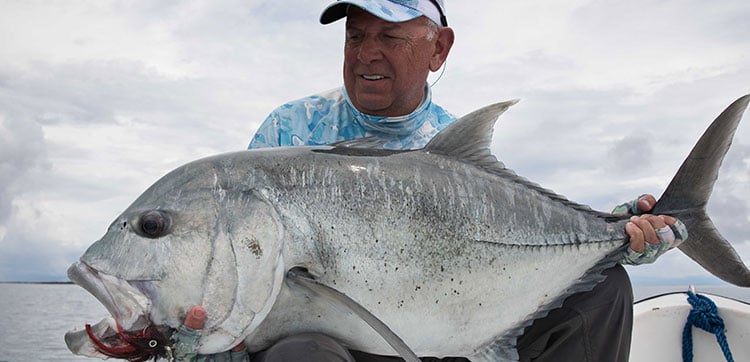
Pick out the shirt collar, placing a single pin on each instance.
(399, 126)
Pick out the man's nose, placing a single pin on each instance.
(370, 50)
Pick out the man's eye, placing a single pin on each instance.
(392, 38)
(352, 36)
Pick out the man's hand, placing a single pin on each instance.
(641, 205)
(650, 235)
(185, 348)
(644, 230)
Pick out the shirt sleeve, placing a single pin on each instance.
(292, 124)
(287, 125)
(268, 133)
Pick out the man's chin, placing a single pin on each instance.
(374, 104)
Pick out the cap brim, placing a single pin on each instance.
(337, 11)
(333, 13)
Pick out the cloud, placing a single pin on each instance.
(27, 256)
(22, 151)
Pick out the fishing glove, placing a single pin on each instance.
(185, 349)
(628, 208)
(669, 236)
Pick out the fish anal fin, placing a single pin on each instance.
(504, 347)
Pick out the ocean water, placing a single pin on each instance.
(35, 317)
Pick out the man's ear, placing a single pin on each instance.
(443, 46)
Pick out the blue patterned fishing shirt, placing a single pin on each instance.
(330, 117)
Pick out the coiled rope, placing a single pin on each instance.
(705, 316)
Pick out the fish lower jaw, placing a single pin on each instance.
(128, 306)
(79, 342)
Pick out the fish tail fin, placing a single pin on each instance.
(687, 195)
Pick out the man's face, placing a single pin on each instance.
(386, 64)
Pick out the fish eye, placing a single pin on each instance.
(153, 224)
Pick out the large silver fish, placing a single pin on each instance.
(447, 247)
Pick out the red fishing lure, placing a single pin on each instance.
(133, 346)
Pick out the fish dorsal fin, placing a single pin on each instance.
(469, 138)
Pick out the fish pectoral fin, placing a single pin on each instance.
(371, 142)
(300, 276)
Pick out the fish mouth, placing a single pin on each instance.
(128, 332)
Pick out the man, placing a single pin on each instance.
(386, 64)
(389, 50)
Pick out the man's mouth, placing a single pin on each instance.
(372, 76)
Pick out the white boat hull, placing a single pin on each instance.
(658, 323)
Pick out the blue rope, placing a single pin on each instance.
(705, 316)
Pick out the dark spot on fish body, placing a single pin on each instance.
(254, 246)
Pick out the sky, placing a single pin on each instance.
(98, 99)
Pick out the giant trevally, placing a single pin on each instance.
(446, 246)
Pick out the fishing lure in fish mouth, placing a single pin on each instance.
(133, 346)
